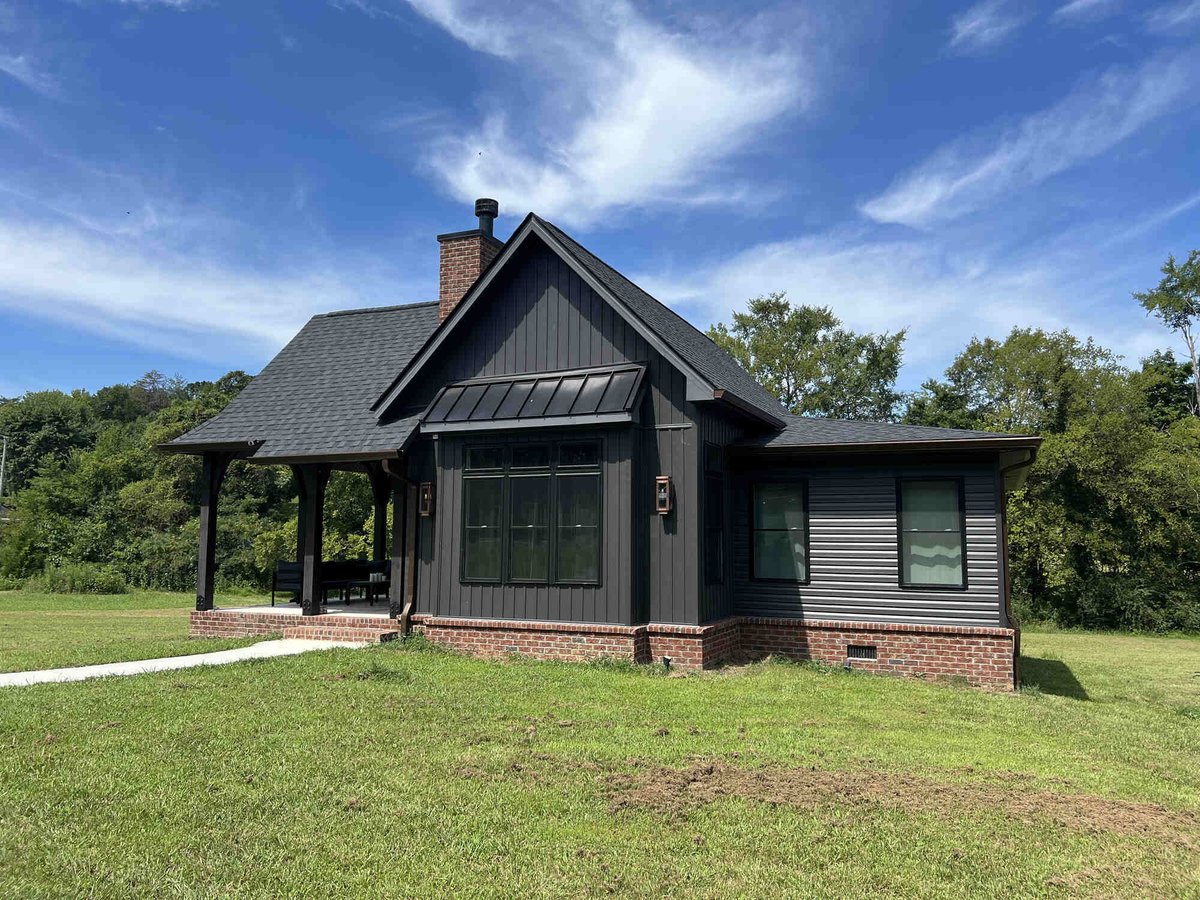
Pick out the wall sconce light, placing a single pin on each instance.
(425, 504)
(664, 495)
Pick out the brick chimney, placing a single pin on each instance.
(465, 254)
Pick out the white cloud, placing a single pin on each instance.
(942, 292)
(614, 112)
(22, 68)
(185, 304)
(1085, 10)
(1174, 17)
(970, 174)
(985, 26)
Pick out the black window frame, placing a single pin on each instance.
(507, 473)
(803, 485)
(714, 523)
(960, 482)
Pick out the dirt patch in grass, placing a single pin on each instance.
(675, 791)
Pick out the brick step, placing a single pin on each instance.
(371, 635)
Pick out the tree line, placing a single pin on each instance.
(1105, 533)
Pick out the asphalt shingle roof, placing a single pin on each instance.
(314, 398)
(720, 369)
(801, 431)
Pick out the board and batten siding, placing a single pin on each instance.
(540, 316)
(854, 550)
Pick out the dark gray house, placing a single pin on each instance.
(577, 471)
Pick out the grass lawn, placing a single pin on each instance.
(47, 631)
(402, 771)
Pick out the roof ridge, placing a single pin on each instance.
(373, 309)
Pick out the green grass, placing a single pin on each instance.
(47, 631)
(402, 771)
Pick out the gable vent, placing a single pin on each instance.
(861, 651)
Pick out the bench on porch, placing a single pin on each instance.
(342, 575)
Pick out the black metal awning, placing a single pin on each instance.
(597, 396)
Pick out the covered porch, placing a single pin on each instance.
(319, 588)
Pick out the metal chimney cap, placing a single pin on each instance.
(485, 206)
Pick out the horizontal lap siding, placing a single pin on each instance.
(854, 553)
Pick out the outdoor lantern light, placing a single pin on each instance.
(663, 493)
(426, 502)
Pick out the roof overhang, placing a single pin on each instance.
(1019, 442)
(198, 448)
(698, 388)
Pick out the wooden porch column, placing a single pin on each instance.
(403, 590)
(302, 495)
(212, 474)
(381, 492)
(313, 481)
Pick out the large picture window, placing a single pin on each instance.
(932, 551)
(532, 514)
(779, 532)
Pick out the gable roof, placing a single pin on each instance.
(711, 372)
(314, 398)
(720, 369)
(811, 433)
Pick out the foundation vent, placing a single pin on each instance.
(861, 651)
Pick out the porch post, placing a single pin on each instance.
(380, 491)
(396, 578)
(301, 500)
(211, 475)
(314, 479)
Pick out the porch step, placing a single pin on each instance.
(331, 632)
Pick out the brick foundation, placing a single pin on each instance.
(980, 656)
(231, 623)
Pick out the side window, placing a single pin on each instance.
(483, 500)
(932, 543)
(714, 516)
(779, 532)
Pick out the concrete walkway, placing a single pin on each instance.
(261, 650)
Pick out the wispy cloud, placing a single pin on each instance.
(985, 26)
(972, 173)
(1085, 10)
(1174, 17)
(184, 304)
(943, 291)
(649, 120)
(23, 69)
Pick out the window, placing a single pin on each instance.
(482, 507)
(779, 532)
(535, 517)
(485, 458)
(529, 528)
(714, 529)
(714, 516)
(578, 558)
(932, 552)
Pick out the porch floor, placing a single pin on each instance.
(333, 608)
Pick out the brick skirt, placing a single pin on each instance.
(978, 656)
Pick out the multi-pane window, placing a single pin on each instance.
(543, 516)
(931, 533)
(779, 532)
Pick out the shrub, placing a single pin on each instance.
(7, 583)
(78, 578)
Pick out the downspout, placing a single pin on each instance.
(1008, 613)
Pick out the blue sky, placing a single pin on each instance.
(184, 182)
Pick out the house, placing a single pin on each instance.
(577, 471)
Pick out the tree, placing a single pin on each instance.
(804, 356)
(1032, 381)
(1176, 303)
(1165, 384)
